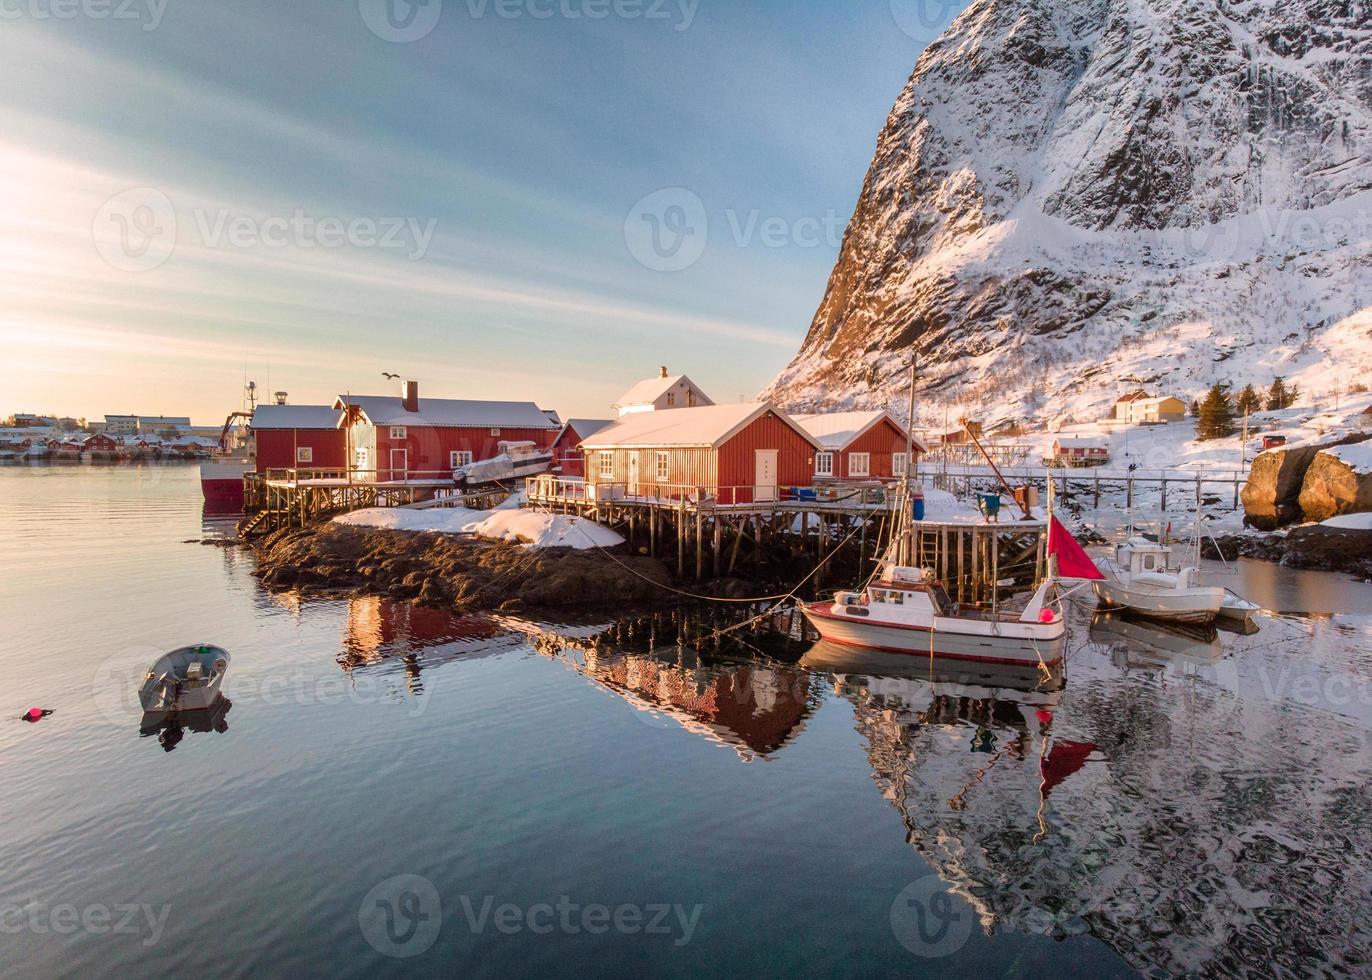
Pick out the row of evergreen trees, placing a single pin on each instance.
(1215, 414)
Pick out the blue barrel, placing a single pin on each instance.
(989, 503)
(917, 506)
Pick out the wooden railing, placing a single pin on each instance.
(564, 489)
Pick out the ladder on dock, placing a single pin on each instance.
(253, 524)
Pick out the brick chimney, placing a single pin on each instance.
(663, 369)
(409, 395)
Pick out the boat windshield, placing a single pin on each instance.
(938, 595)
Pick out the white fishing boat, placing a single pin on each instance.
(1141, 578)
(1236, 608)
(187, 679)
(514, 461)
(906, 609)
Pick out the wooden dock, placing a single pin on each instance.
(709, 539)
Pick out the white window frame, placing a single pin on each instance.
(663, 463)
(398, 432)
(671, 399)
(607, 464)
(900, 464)
(304, 454)
(859, 464)
(459, 457)
(824, 464)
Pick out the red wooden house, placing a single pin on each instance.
(734, 453)
(307, 437)
(567, 456)
(858, 445)
(407, 438)
(100, 443)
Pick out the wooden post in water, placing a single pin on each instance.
(700, 545)
(1164, 490)
(717, 541)
(681, 538)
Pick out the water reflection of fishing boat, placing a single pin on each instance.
(171, 727)
(1027, 682)
(187, 679)
(1136, 643)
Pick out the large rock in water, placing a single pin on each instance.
(1271, 497)
(1338, 481)
(1072, 196)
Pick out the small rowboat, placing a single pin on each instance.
(187, 679)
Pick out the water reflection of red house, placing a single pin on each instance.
(379, 629)
(755, 709)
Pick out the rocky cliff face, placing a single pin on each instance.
(1072, 197)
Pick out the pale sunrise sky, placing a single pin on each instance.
(322, 191)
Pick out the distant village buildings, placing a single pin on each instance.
(1140, 408)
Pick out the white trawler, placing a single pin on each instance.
(905, 609)
(1142, 578)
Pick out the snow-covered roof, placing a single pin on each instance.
(390, 410)
(836, 430)
(295, 417)
(709, 425)
(1079, 442)
(648, 390)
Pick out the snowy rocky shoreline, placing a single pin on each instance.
(1327, 547)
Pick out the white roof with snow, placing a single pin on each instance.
(835, 430)
(710, 426)
(1079, 442)
(390, 410)
(649, 390)
(295, 417)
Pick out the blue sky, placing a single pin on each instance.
(534, 199)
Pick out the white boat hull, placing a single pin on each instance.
(952, 638)
(168, 686)
(1195, 604)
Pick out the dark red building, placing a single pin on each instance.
(858, 445)
(298, 437)
(568, 459)
(410, 438)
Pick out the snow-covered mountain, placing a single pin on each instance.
(1072, 198)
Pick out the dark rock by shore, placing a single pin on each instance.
(461, 573)
(1333, 549)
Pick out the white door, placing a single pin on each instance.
(400, 464)
(361, 459)
(633, 473)
(765, 474)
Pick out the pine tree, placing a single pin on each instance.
(1195, 408)
(1292, 394)
(1216, 415)
(1249, 401)
(1277, 395)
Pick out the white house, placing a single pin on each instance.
(663, 392)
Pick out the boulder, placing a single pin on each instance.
(1271, 497)
(1337, 482)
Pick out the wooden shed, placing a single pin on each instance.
(568, 459)
(858, 445)
(298, 437)
(736, 454)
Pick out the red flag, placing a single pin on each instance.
(1072, 561)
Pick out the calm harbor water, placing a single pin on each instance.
(399, 791)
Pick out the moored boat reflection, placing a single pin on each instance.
(171, 727)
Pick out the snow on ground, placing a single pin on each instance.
(1358, 456)
(1361, 522)
(532, 528)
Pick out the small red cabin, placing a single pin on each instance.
(408, 438)
(567, 456)
(290, 437)
(737, 454)
(99, 443)
(859, 445)
(1272, 442)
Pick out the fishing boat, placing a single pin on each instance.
(187, 679)
(905, 609)
(514, 461)
(1140, 577)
